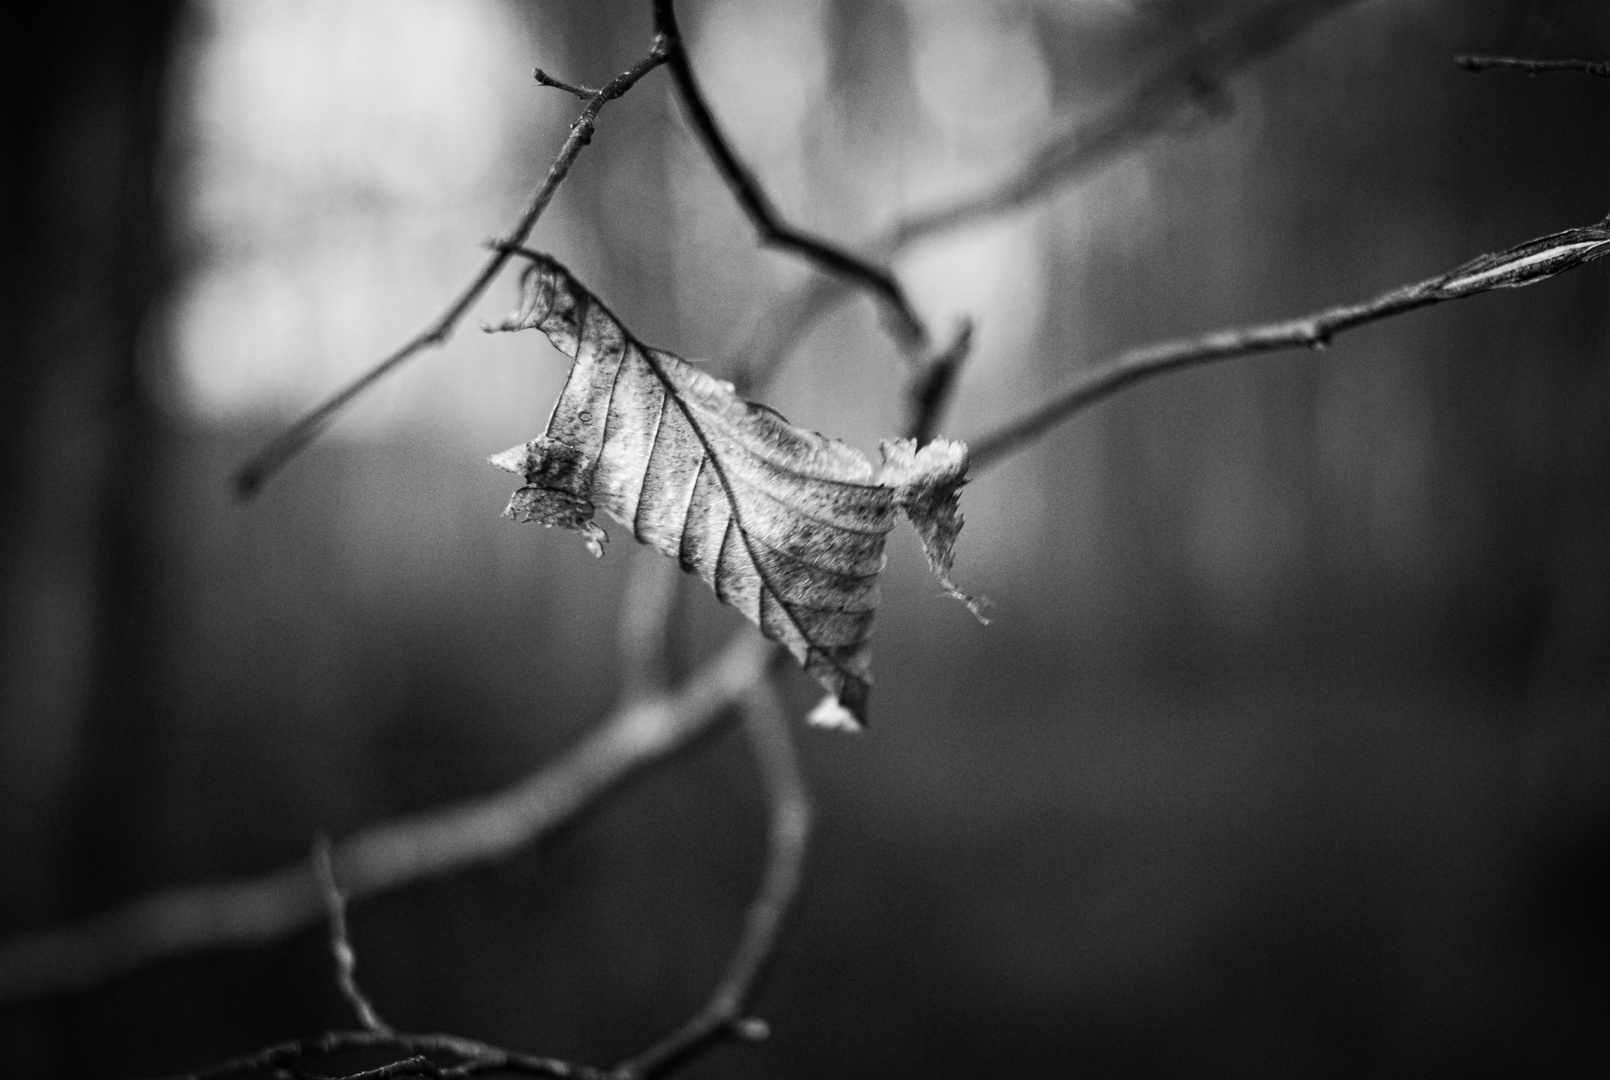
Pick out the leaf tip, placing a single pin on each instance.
(511, 460)
(928, 483)
(831, 715)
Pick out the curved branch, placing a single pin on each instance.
(827, 257)
(392, 854)
(723, 1016)
(267, 461)
(1525, 264)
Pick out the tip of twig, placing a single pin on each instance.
(751, 1029)
(544, 79)
(341, 951)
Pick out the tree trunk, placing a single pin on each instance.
(80, 264)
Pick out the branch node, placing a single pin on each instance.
(826, 257)
(931, 391)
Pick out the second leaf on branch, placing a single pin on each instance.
(785, 524)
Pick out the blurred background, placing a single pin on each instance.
(1287, 752)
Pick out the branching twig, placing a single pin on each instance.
(724, 1015)
(1154, 105)
(388, 856)
(544, 79)
(268, 460)
(774, 231)
(1479, 64)
(346, 960)
(1525, 264)
(471, 1058)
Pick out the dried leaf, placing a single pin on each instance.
(786, 525)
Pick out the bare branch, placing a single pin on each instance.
(346, 960)
(1525, 264)
(929, 395)
(723, 1016)
(773, 230)
(1176, 88)
(1190, 78)
(390, 855)
(471, 1058)
(289, 442)
(1478, 64)
(544, 79)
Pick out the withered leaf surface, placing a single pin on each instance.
(786, 525)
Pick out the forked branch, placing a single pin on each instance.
(637, 737)
(1184, 86)
(827, 257)
(1525, 264)
(723, 1017)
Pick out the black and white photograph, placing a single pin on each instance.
(801, 539)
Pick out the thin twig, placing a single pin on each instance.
(1479, 64)
(929, 395)
(1184, 87)
(724, 1015)
(1525, 264)
(774, 231)
(293, 439)
(392, 854)
(346, 960)
(473, 1058)
(1178, 86)
(544, 79)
